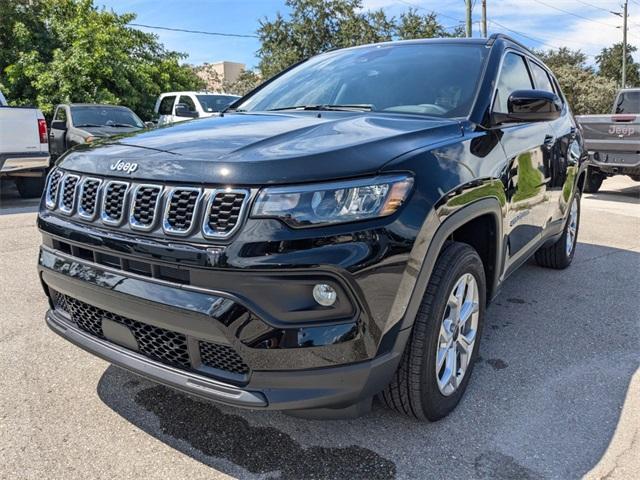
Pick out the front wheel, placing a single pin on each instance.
(439, 356)
(30, 187)
(560, 254)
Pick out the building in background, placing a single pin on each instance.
(217, 74)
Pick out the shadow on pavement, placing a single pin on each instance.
(627, 194)
(557, 355)
(11, 202)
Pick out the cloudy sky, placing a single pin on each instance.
(587, 25)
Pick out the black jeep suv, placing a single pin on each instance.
(337, 234)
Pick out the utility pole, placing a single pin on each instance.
(468, 4)
(484, 18)
(624, 45)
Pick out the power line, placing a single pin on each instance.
(574, 14)
(594, 6)
(218, 34)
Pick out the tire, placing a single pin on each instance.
(593, 182)
(560, 254)
(414, 390)
(30, 187)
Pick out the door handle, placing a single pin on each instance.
(549, 141)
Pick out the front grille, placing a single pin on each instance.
(223, 213)
(222, 357)
(88, 197)
(160, 344)
(145, 206)
(52, 191)
(181, 210)
(113, 202)
(155, 209)
(68, 199)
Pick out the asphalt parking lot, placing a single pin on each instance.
(556, 393)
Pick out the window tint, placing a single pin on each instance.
(166, 106)
(188, 102)
(436, 79)
(99, 116)
(628, 102)
(541, 78)
(513, 76)
(61, 115)
(216, 103)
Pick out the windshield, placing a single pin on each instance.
(95, 116)
(431, 79)
(628, 102)
(215, 103)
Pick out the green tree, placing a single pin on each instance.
(586, 92)
(247, 81)
(70, 51)
(610, 65)
(314, 26)
(563, 57)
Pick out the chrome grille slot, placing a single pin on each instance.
(88, 203)
(68, 194)
(51, 197)
(113, 202)
(224, 212)
(181, 210)
(144, 207)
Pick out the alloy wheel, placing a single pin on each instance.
(457, 337)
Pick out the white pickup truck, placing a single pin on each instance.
(24, 148)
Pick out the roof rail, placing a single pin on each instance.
(504, 36)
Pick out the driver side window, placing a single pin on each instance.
(61, 115)
(188, 102)
(513, 76)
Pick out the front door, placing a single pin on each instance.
(58, 132)
(526, 146)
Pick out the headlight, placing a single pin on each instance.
(339, 202)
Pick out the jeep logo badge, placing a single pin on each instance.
(621, 131)
(125, 167)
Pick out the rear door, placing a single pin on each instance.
(526, 148)
(561, 163)
(58, 131)
(165, 110)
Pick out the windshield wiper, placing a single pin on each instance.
(328, 107)
(88, 125)
(122, 125)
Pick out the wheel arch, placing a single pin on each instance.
(459, 227)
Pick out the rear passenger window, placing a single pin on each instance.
(541, 78)
(513, 76)
(166, 105)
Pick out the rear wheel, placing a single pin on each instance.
(439, 356)
(593, 182)
(30, 187)
(560, 254)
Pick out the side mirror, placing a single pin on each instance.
(182, 110)
(530, 106)
(150, 124)
(58, 125)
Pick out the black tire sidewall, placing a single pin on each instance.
(435, 404)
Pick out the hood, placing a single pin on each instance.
(106, 131)
(264, 148)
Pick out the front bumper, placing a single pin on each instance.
(329, 370)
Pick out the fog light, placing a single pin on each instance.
(324, 294)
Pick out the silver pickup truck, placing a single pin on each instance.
(613, 141)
